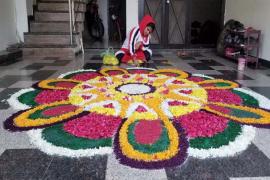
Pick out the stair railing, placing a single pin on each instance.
(70, 2)
(72, 22)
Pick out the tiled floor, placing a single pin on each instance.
(20, 160)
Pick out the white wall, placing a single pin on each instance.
(132, 12)
(253, 13)
(7, 24)
(29, 6)
(103, 13)
(13, 22)
(21, 18)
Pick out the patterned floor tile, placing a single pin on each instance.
(161, 63)
(4, 95)
(35, 66)
(8, 80)
(251, 178)
(93, 66)
(96, 57)
(23, 164)
(82, 168)
(262, 90)
(188, 58)
(201, 66)
(123, 172)
(250, 163)
(262, 141)
(23, 84)
(233, 75)
(60, 63)
(211, 62)
(195, 169)
(157, 55)
(17, 163)
(43, 74)
(51, 58)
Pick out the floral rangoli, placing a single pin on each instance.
(148, 118)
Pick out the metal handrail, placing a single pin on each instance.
(70, 20)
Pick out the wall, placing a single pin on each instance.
(132, 13)
(21, 18)
(13, 22)
(253, 13)
(7, 24)
(29, 5)
(103, 13)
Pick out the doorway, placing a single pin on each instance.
(111, 27)
(170, 17)
(184, 23)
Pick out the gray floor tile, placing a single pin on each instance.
(262, 90)
(35, 66)
(251, 163)
(43, 74)
(82, 168)
(8, 80)
(121, 172)
(4, 95)
(195, 169)
(23, 164)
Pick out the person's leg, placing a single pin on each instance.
(119, 55)
(140, 56)
(147, 55)
(123, 56)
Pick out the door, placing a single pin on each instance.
(170, 17)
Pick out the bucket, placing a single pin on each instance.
(241, 64)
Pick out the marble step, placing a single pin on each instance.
(49, 38)
(60, 6)
(50, 51)
(56, 16)
(53, 26)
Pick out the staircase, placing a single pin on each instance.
(49, 33)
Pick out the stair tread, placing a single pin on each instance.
(35, 21)
(49, 46)
(50, 33)
(62, 2)
(56, 11)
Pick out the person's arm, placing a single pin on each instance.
(146, 46)
(134, 34)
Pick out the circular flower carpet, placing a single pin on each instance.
(148, 118)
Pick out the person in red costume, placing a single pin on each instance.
(135, 49)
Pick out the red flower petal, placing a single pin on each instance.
(93, 126)
(59, 110)
(224, 96)
(178, 82)
(177, 103)
(109, 105)
(202, 124)
(141, 109)
(147, 132)
(85, 76)
(50, 96)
